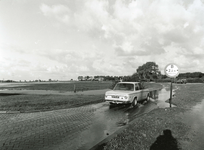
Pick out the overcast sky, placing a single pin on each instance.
(63, 39)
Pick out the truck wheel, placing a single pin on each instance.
(134, 102)
(148, 97)
(112, 105)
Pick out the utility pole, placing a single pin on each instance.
(170, 93)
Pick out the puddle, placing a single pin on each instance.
(161, 96)
(108, 120)
(195, 119)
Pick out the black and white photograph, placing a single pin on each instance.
(101, 74)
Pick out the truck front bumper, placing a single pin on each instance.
(118, 102)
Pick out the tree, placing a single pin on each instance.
(80, 78)
(135, 77)
(148, 71)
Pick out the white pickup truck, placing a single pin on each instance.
(127, 93)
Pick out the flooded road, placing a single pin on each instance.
(74, 128)
(81, 128)
(108, 119)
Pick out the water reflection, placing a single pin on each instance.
(165, 142)
(154, 94)
(107, 121)
(160, 97)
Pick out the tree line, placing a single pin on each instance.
(191, 75)
(150, 72)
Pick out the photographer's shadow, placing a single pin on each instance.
(165, 142)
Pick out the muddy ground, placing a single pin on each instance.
(180, 127)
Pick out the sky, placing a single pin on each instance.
(64, 39)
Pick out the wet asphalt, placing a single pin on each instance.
(109, 119)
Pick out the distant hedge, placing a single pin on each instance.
(163, 80)
(194, 80)
(189, 80)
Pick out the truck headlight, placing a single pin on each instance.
(124, 97)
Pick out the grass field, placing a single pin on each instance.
(145, 130)
(37, 102)
(59, 86)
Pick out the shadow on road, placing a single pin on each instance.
(165, 142)
(119, 106)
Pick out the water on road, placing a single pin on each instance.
(108, 119)
(74, 128)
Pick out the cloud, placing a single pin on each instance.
(26, 65)
(61, 12)
(103, 37)
(136, 27)
(143, 30)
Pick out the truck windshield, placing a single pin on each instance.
(124, 86)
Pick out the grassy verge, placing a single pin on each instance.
(144, 131)
(36, 102)
(46, 102)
